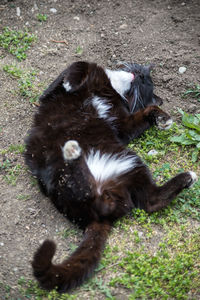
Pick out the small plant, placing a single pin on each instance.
(193, 92)
(5, 165)
(12, 174)
(191, 133)
(41, 17)
(13, 70)
(16, 42)
(5, 289)
(68, 232)
(161, 275)
(23, 197)
(17, 148)
(79, 50)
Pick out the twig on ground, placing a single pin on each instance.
(63, 42)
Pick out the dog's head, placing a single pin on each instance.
(141, 93)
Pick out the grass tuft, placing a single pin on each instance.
(163, 274)
(41, 17)
(26, 80)
(193, 92)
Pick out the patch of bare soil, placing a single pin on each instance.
(166, 33)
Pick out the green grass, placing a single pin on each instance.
(23, 197)
(16, 42)
(12, 174)
(13, 148)
(5, 288)
(169, 273)
(9, 169)
(26, 82)
(158, 140)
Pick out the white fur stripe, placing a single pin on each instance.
(101, 107)
(108, 165)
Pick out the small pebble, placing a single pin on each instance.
(140, 234)
(167, 78)
(192, 108)
(76, 18)
(123, 26)
(152, 152)
(18, 11)
(53, 10)
(35, 6)
(182, 70)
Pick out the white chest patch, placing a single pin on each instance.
(101, 107)
(106, 166)
(120, 80)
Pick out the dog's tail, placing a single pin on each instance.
(78, 267)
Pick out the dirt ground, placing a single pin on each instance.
(166, 33)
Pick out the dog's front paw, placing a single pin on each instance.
(158, 117)
(164, 122)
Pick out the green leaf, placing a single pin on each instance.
(180, 111)
(195, 154)
(182, 139)
(193, 135)
(191, 121)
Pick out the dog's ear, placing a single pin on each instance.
(149, 68)
(157, 100)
